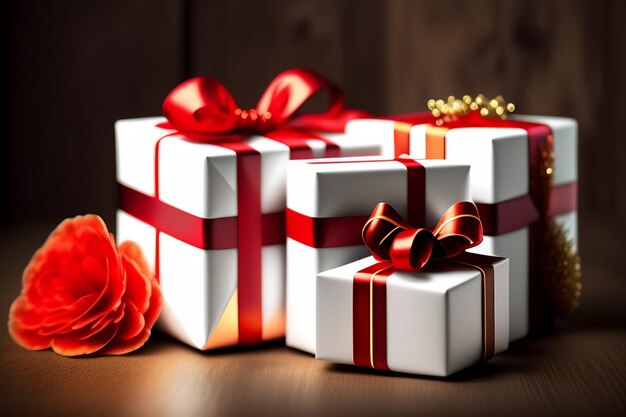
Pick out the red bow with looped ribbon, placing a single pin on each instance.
(204, 106)
(390, 238)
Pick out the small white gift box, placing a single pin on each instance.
(436, 322)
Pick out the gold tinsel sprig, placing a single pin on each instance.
(560, 273)
(495, 107)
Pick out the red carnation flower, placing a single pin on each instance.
(81, 294)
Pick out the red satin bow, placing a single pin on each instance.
(203, 105)
(390, 238)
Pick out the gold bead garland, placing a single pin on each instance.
(495, 107)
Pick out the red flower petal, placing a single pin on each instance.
(138, 285)
(112, 317)
(74, 345)
(132, 324)
(23, 325)
(62, 321)
(156, 301)
(133, 252)
(82, 295)
(121, 347)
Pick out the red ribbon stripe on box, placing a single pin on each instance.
(506, 216)
(549, 200)
(204, 111)
(497, 218)
(330, 232)
(539, 140)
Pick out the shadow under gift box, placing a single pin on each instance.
(434, 317)
(199, 285)
(337, 189)
(499, 174)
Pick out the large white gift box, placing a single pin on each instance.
(435, 322)
(210, 220)
(498, 152)
(329, 201)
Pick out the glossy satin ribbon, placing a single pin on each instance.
(540, 140)
(390, 238)
(398, 246)
(402, 127)
(331, 232)
(203, 106)
(543, 200)
(199, 232)
(497, 219)
(204, 111)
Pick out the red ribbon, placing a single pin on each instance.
(497, 218)
(249, 243)
(204, 111)
(539, 140)
(331, 232)
(390, 238)
(203, 108)
(505, 216)
(402, 128)
(398, 246)
(199, 232)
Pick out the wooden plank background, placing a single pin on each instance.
(75, 67)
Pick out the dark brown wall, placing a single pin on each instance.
(75, 67)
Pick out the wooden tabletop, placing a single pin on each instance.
(578, 370)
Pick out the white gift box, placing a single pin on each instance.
(345, 191)
(434, 318)
(499, 174)
(198, 182)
